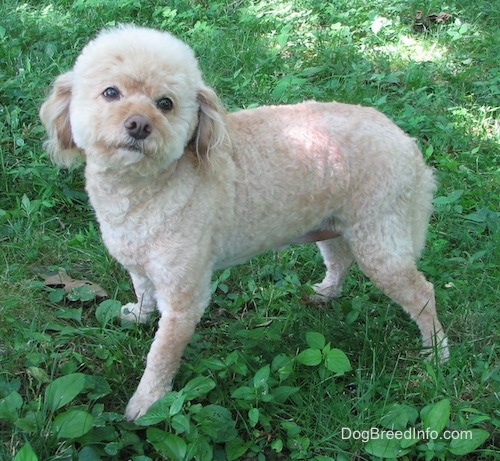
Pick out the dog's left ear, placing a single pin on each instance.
(211, 132)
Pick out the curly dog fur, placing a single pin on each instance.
(181, 188)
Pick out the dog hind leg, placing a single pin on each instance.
(338, 259)
(387, 257)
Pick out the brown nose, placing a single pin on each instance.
(138, 126)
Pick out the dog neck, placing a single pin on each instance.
(118, 194)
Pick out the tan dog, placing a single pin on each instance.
(181, 188)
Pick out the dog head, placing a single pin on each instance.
(134, 98)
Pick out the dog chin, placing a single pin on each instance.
(114, 158)
(129, 155)
(136, 158)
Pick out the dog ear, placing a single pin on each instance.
(54, 114)
(211, 132)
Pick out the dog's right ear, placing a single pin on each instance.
(54, 114)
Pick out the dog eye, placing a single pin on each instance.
(165, 104)
(111, 94)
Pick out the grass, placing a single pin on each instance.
(266, 377)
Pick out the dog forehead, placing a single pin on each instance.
(140, 53)
(148, 84)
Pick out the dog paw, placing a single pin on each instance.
(134, 313)
(140, 403)
(318, 300)
(323, 293)
(436, 348)
(444, 351)
(137, 407)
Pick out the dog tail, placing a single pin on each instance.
(424, 189)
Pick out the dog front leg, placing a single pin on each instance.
(141, 311)
(179, 317)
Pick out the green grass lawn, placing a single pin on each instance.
(266, 376)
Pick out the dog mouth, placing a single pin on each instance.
(135, 147)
